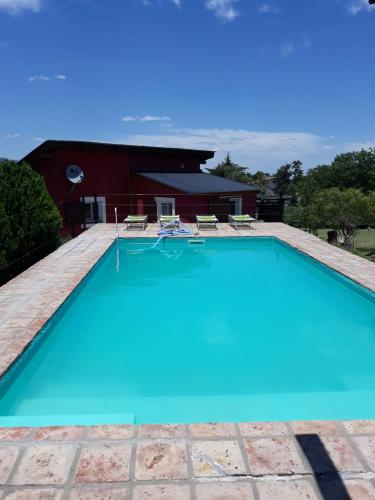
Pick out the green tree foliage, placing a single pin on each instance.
(32, 221)
(371, 201)
(230, 170)
(287, 176)
(298, 211)
(341, 210)
(261, 180)
(6, 241)
(349, 170)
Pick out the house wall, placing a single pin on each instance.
(146, 162)
(249, 201)
(114, 175)
(108, 174)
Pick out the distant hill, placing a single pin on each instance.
(3, 159)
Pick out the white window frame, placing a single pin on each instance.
(102, 210)
(238, 201)
(159, 200)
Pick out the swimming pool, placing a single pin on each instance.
(234, 329)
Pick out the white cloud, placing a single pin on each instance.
(261, 149)
(145, 118)
(287, 49)
(357, 146)
(44, 78)
(12, 136)
(154, 2)
(359, 6)
(16, 6)
(224, 9)
(151, 118)
(41, 78)
(267, 8)
(38, 139)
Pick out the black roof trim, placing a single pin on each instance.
(54, 144)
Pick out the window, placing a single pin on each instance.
(235, 206)
(165, 206)
(93, 211)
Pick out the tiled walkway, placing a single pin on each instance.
(204, 461)
(299, 460)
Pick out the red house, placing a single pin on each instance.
(135, 179)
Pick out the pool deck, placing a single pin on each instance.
(297, 460)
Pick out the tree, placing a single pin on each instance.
(356, 169)
(322, 176)
(230, 170)
(6, 241)
(342, 211)
(286, 175)
(32, 219)
(261, 180)
(349, 170)
(298, 211)
(371, 203)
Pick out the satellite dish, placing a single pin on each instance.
(74, 174)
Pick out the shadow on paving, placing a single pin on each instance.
(326, 475)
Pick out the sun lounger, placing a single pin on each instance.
(207, 220)
(135, 220)
(171, 220)
(241, 220)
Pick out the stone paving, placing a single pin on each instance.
(297, 460)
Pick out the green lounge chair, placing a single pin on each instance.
(135, 220)
(207, 220)
(241, 220)
(171, 220)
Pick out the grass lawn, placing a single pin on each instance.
(365, 242)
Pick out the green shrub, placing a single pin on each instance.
(31, 220)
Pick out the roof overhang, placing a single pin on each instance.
(51, 146)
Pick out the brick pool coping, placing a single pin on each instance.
(251, 460)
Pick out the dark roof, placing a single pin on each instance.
(53, 145)
(199, 183)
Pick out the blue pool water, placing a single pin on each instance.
(235, 329)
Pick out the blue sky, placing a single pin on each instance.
(269, 80)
